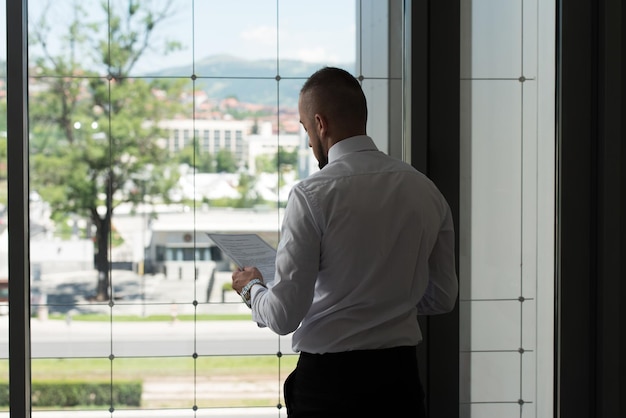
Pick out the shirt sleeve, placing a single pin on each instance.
(284, 304)
(442, 289)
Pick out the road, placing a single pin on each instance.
(68, 294)
(69, 339)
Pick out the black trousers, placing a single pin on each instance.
(363, 383)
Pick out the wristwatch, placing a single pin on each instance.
(245, 291)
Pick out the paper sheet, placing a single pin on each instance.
(248, 250)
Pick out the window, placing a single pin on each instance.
(176, 140)
(514, 68)
(227, 144)
(217, 138)
(206, 144)
(155, 194)
(507, 212)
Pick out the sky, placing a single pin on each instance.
(309, 30)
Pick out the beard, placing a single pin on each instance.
(322, 157)
(322, 162)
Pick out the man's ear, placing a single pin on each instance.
(321, 124)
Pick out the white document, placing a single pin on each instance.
(248, 250)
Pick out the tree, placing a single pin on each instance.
(225, 161)
(286, 159)
(94, 137)
(191, 155)
(265, 164)
(249, 196)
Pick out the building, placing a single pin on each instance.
(266, 143)
(178, 245)
(211, 135)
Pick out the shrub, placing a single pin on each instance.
(79, 393)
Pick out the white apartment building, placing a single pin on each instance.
(266, 143)
(235, 136)
(212, 135)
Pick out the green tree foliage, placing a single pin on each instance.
(191, 155)
(283, 160)
(265, 164)
(94, 128)
(3, 113)
(246, 188)
(286, 159)
(225, 161)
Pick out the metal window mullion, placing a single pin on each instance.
(18, 208)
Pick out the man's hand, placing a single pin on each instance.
(241, 277)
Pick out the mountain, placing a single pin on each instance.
(250, 81)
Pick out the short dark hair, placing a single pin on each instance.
(338, 92)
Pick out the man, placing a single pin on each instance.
(367, 244)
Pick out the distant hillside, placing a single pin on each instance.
(250, 81)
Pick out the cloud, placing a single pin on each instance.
(265, 35)
(316, 54)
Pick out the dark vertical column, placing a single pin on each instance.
(435, 124)
(576, 179)
(610, 313)
(590, 235)
(416, 115)
(443, 169)
(17, 164)
(621, 367)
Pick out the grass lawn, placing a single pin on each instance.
(174, 382)
(152, 318)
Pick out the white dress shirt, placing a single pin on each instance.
(367, 244)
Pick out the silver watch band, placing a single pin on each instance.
(245, 291)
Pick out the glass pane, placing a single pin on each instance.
(495, 30)
(170, 51)
(50, 376)
(531, 166)
(165, 382)
(496, 188)
(69, 337)
(317, 37)
(235, 38)
(495, 377)
(530, 28)
(376, 55)
(493, 332)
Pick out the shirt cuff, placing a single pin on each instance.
(256, 289)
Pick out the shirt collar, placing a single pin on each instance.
(349, 145)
